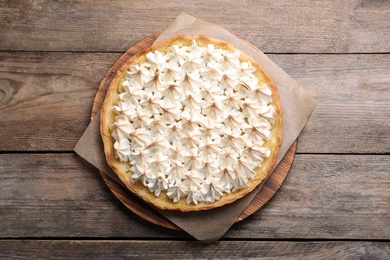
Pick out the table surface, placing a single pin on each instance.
(335, 202)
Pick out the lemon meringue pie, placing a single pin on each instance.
(191, 123)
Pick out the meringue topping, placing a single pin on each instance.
(191, 122)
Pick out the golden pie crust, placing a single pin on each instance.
(122, 168)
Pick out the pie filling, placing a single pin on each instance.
(192, 122)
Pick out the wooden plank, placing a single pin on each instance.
(61, 195)
(274, 26)
(46, 99)
(330, 197)
(119, 249)
(323, 197)
(353, 111)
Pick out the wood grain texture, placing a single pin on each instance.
(46, 99)
(347, 195)
(353, 110)
(323, 197)
(123, 249)
(54, 54)
(61, 195)
(274, 26)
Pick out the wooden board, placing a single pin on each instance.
(141, 208)
(124, 249)
(325, 197)
(353, 26)
(351, 90)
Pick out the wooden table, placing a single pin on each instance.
(335, 202)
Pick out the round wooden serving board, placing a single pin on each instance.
(144, 210)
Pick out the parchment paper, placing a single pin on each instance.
(297, 106)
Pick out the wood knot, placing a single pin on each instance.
(8, 89)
